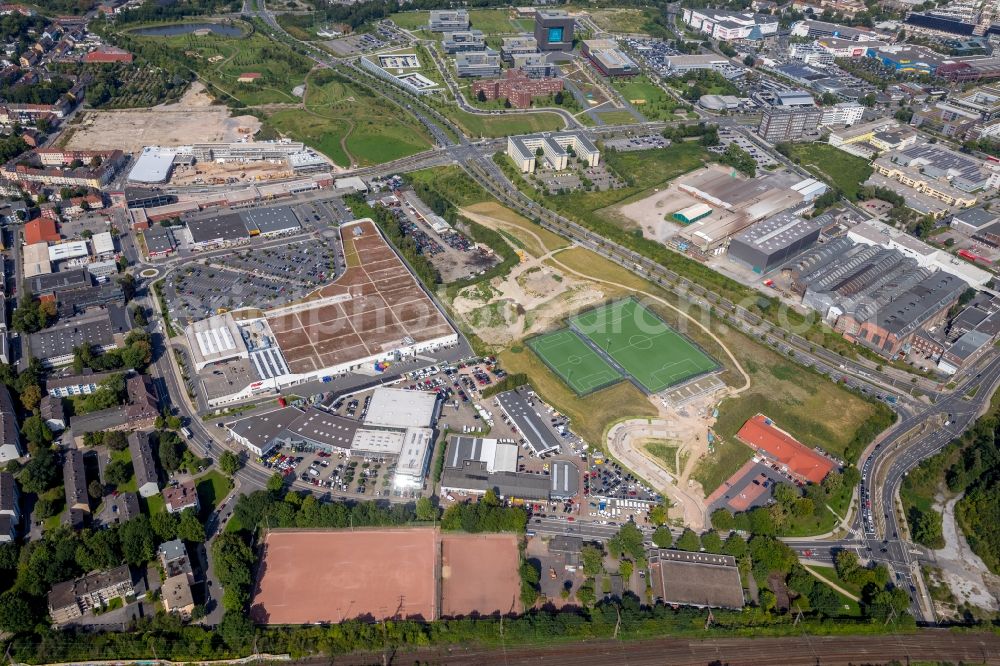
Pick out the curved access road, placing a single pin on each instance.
(622, 440)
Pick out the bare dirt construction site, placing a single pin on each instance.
(320, 576)
(651, 213)
(684, 429)
(534, 296)
(191, 120)
(229, 172)
(464, 558)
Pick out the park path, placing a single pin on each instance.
(838, 588)
(622, 438)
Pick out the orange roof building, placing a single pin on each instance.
(761, 434)
(40, 230)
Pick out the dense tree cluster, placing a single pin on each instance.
(486, 515)
(32, 315)
(135, 355)
(739, 159)
(45, 92)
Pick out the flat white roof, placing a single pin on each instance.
(70, 250)
(413, 455)
(379, 442)
(103, 243)
(399, 408)
(351, 182)
(153, 165)
(215, 339)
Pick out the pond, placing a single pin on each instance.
(186, 28)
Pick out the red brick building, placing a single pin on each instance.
(516, 86)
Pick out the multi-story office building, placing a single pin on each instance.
(478, 64)
(845, 113)
(463, 41)
(788, 123)
(554, 30)
(447, 20)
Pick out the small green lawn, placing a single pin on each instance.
(212, 487)
(411, 20)
(847, 172)
(152, 504)
(849, 607)
(617, 117)
(728, 456)
(233, 524)
(829, 574)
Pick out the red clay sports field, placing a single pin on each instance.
(328, 576)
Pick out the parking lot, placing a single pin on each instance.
(252, 277)
(628, 144)
(197, 291)
(600, 178)
(728, 135)
(384, 35)
(453, 254)
(305, 264)
(610, 480)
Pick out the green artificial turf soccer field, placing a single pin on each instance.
(639, 342)
(574, 361)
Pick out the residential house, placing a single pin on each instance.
(75, 480)
(10, 436)
(181, 496)
(146, 478)
(70, 599)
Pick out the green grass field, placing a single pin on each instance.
(643, 345)
(649, 99)
(504, 124)
(847, 172)
(615, 117)
(574, 361)
(344, 122)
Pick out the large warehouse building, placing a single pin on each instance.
(376, 311)
(770, 243)
(399, 424)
